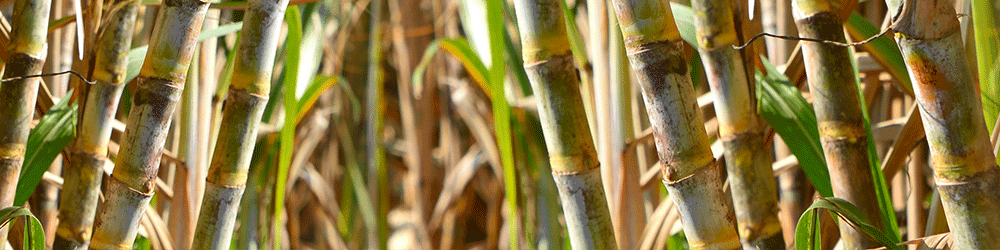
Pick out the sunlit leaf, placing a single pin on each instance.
(883, 49)
(807, 231)
(45, 142)
(294, 22)
(984, 20)
(874, 166)
(34, 236)
(784, 108)
(320, 85)
(460, 49)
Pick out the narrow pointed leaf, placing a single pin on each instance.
(33, 234)
(781, 104)
(45, 142)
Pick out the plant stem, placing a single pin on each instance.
(248, 94)
(839, 114)
(26, 56)
(690, 173)
(742, 132)
(965, 168)
(158, 88)
(84, 170)
(549, 65)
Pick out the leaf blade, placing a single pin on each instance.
(45, 142)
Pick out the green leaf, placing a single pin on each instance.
(45, 142)
(782, 106)
(320, 85)
(34, 236)
(138, 54)
(501, 110)
(459, 48)
(883, 49)
(292, 50)
(684, 18)
(984, 21)
(576, 43)
(141, 243)
(807, 233)
(874, 165)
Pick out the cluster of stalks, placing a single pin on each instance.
(457, 150)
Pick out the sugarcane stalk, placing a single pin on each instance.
(158, 88)
(690, 173)
(741, 130)
(378, 181)
(87, 153)
(248, 95)
(548, 63)
(965, 169)
(839, 114)
(26, 56)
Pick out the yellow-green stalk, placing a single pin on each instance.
(26, 56)
(965, 169)
(839, 114)
(88, 152)
(742, 132)
(575, 168)
(248, 94)
(690, 172)
(158, 88)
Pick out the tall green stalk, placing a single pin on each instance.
(248, 94)
(378, 181)
(549, 65)
(26, 56)
(839, 114)
(158, 88)
(84, 170)
(965, 168)
(690, 173)
(742, 132)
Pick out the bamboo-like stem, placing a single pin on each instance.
(248, 94)
(965, 169)
(158, 88)
(690, 172)
(742, 132)
(833, 85)
(88, 152)
(26, 56)
(548, 63)
(378, 180)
